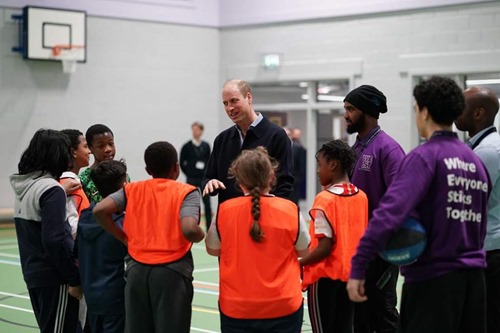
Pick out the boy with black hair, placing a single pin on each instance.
(101, 141)
(45, 244)
(448, 186)
(101, 256)
(161, 223)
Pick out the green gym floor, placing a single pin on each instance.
(16, 315)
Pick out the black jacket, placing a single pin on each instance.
(190, 155)
(227, 147)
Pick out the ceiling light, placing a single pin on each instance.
(482, 82)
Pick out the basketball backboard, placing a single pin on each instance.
(46, 28)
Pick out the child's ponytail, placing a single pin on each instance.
(255, 230)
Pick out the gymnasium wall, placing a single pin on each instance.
(388, 50)
(149, 81)
(146, 81)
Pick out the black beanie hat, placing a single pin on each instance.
(368, 99)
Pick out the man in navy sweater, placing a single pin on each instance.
(193, 161)
(251, 130)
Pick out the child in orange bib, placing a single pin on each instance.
(339, 217)
(258, 237)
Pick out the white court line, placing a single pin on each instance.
(206, 283)
(15, 308)
(208, 292)
(8, 255)
(202, 330)
(7, 262)
(14, 295)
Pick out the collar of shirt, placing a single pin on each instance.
(473, 140)
(343, 189)
(196, 143)
(255, 123)
(363, 142)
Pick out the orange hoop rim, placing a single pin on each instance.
(57, 49)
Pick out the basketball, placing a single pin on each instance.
(405, 245)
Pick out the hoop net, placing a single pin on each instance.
(68, 55)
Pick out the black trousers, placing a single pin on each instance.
(287, 324)
(107, 323)
(157, 299)
(55, 310)
(455, 303)
(379, 313)
(330, 309)
(206, 200)
(492, 275)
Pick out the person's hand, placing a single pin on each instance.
(213, 185)
(76, 292)
(71, 185)
(356, 290)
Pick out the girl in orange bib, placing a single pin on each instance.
(339, 217)
(258, 238)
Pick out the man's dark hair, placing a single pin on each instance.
(48, 152)
(109, 176)
(94, 130)
(160, 158)
(442, 97)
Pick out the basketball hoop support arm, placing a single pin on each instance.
(20, 21)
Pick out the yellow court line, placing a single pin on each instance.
(197, 309)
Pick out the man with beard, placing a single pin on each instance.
(378, 160)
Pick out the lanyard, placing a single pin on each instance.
(485, 134)
(370, 139)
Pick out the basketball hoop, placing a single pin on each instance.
(68, 55)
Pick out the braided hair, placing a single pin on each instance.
(254, 170)
(340, 151)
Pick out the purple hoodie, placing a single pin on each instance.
(448, 186)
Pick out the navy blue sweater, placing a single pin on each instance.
(227, 147)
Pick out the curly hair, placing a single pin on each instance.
(339, 151)
(255, 170)
(442, 97)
